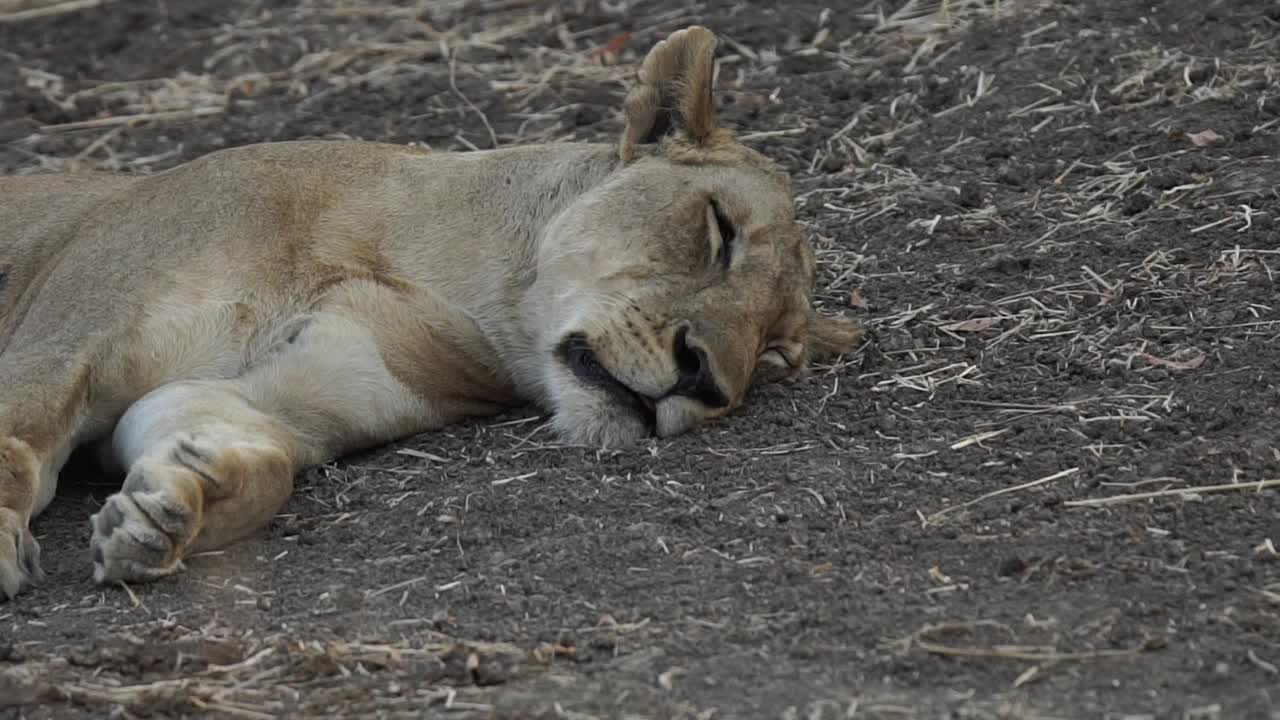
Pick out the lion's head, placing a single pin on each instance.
(662, 293)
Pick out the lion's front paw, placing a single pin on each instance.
(141, 532)
(19, 555)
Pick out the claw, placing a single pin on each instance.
(19, 557)
(31, 564)
(10, 582)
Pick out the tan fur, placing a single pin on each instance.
(226, 323)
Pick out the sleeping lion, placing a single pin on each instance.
(222, 325)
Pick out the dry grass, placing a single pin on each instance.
(1138, 320)
(346, 44)
(1115, 318)
(502, 42)
(276, 674)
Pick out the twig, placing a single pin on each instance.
(130, 119)
(765, 134)
(1117, 499)
(1038, 654)
(1027, 655)
(978, 438)
(453, 85)
(370, 594)
(1262, 664)
(50, 10)
(1004, 491)
(98, 144)
(420, 454)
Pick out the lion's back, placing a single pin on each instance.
(96, 249)
(39, 215)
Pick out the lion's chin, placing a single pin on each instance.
(588, 415)
(617, 429)
(599, 421)
(582, 415)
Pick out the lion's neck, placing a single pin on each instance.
(484, 260)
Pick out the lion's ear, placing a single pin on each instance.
(831, 336)
(673, 92)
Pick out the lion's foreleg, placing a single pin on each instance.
(44, 400)
(205, 468)
(211, 462)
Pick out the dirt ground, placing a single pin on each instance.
(1045, 487)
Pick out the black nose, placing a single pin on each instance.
(695, 378)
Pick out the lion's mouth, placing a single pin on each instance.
(581, 360)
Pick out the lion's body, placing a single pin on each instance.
(223, 324)
(201, 271)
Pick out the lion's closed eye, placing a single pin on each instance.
(780, 359)
(785, 353)
(723, 235)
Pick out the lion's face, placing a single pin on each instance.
(659, 293)
(662, 293)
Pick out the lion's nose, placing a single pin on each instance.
(695, 377)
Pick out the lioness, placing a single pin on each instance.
(230, 321)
